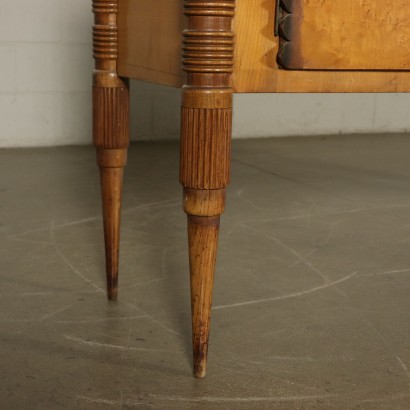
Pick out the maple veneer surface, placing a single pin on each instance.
(150, 49)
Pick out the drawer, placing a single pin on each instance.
(344, 34)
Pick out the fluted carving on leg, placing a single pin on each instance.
(208, 55)
(205, 147)
(111, 117)
(110, 129)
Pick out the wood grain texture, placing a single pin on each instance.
(110, 129)
(105, 40)
(345, 35)
(150, 40)
(203, 243)
(206, 118)
(206, 123)
(111, 117)
(105, 7)
(112, 164)
(204, 202)
(256, 69)
(149, 49)
(205, 147)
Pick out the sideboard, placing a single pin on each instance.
(212, 49)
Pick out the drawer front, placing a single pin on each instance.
(344, 34)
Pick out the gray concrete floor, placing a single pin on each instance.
(311, 306)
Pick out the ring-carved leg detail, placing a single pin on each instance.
(110, 130)
(208, 50)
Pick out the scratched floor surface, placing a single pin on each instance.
(311, 306)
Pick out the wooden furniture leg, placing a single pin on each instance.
(208, 50)
(110, 129)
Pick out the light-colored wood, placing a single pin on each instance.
(150, 33)
(149, 49)
(110, 129)
(345, 35)
(256, 69)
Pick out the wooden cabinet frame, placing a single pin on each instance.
(227, 46)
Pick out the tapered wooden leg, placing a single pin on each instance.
(110, 130)
(111, 164)
(202, 167)
(203, 242)
(208, 50)
(203, 233)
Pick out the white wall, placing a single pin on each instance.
(45, 81)
(45, 64)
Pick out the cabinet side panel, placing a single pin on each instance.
(150, 34)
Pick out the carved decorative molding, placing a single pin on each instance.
(110, 93)
(110, 130)
(206, 140)
(105, 42)
(208, 58)
(208, 41)
(285, 23)
(105, 33)
(111, 117)
(105, 6)
(208, 51)
(216, 8)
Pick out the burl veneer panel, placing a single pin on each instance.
(150, 43)
(256, 50)
(345, 34)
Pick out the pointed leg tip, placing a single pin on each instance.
(199, 371)
(200, 361)
(112, 294)
(200, 375)
(112, 286)
(112, 298)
